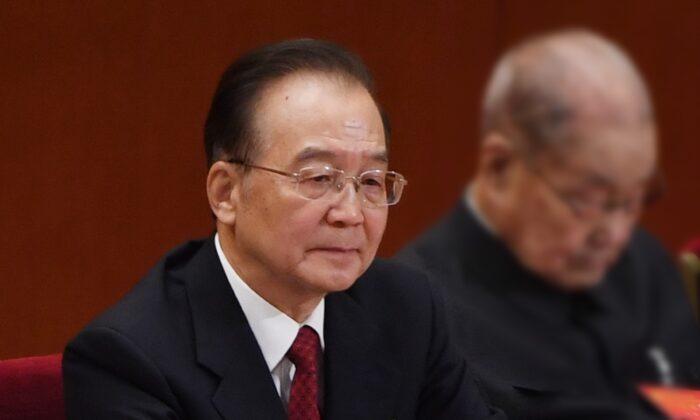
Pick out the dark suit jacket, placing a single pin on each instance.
(541, 353)
(178, 346)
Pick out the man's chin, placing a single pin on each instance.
(332, 272)
(331, 279)
(335, 282)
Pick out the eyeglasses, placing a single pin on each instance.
(377, 187)
(592, 210)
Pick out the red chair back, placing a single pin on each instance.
(31, 388)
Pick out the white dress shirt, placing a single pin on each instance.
(274, 330)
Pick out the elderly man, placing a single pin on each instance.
(283, 313)
(562, 305)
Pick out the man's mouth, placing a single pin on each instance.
(337, 249)
(591, 262)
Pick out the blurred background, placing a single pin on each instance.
(102, 105)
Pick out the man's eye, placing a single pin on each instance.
(319, 179)
(372, 182)
(584, 206)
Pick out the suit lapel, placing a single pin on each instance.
(225, 343)
(360, 375)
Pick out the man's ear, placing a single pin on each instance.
(496, 157)
(223, 191)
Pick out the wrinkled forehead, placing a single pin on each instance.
(356, 129)
(318, 111)
(352, 132)
(332, 149)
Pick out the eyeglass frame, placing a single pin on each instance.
(604, 208)
(400, 179)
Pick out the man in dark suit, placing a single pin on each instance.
(283, 313)
(562, 305)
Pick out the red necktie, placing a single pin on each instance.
(303, 396)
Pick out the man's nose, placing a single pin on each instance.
(613, 229)
(346, 207)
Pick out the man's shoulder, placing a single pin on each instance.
(155, 298)
(437, 241)
(144, 346)
(391, 287)
(387, 277)
(645, 270)
(644, 243)
(644, 259)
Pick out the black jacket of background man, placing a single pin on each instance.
(541, 353)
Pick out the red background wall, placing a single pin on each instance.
(102, 105)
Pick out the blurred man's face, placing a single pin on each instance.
(301, 246)
(570, 214)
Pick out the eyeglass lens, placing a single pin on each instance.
(378, 187)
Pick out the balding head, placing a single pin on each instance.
(547, 87)
(567, 155)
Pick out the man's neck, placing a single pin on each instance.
(296, 304)
(481, 206)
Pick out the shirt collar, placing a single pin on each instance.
(274, 330)
(478, 214)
